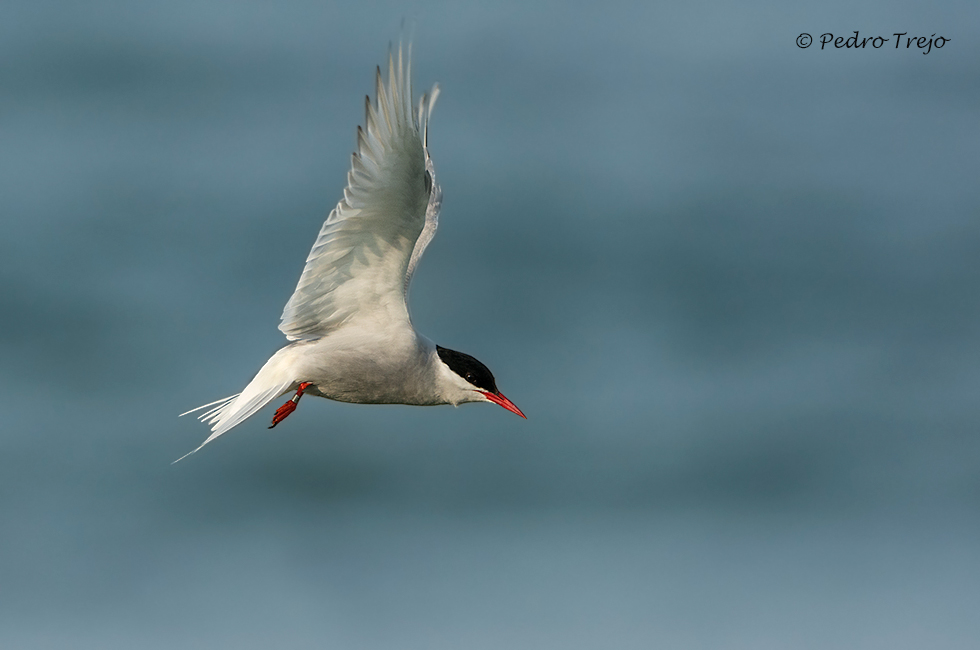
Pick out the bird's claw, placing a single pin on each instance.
(283, 411)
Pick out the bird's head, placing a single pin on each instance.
(471, 381)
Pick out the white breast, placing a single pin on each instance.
(352, 364)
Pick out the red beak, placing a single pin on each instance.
(499, 398)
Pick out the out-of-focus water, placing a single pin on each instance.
(732, 283)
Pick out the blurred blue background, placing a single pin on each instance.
(733, 284)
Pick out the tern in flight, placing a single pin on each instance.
(352, 338)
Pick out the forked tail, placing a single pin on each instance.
(272, 380)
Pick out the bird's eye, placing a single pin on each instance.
(470, 377)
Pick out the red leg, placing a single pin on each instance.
(283, 411)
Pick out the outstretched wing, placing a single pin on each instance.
(363, 259)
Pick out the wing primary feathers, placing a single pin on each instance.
(370, 243)
(383, 104)
(410, 93)
(369, 122)
(392, 85)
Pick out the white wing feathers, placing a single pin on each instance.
(363, 259)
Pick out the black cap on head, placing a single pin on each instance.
(468, 368)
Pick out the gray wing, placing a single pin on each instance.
(363, 259)
(426, 104)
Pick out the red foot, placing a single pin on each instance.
(283, 411)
